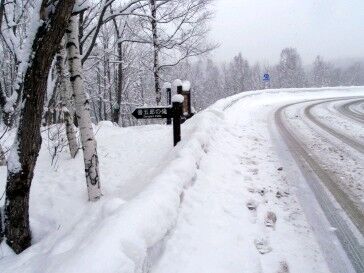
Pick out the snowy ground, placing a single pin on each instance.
(224, 200)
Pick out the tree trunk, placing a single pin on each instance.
(25, 150)
(2, 10)
(155, 52)
(109, 87)
(2, 156)
(119, 78)
(82, 101)
(2, 92)
(80, 29)
(100, 101)
(65, 103)
(106, 80)
(119, 83)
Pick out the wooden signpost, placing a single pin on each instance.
(168, 88)
(174, 112)
(151, 113)
(183, 88)
(179, 108)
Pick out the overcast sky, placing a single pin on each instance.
(259, 29)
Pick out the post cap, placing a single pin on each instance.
(177, 82)
(186, 86)
(167, 85)
(178, 98)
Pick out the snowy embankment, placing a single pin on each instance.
(142, 179)
(205, 203)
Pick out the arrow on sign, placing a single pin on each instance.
(155, 112)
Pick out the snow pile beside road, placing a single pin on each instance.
(114, 234)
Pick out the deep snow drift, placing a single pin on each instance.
(221, 201)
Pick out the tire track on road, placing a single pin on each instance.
(346, 111)
(342, 137)
(314, 173)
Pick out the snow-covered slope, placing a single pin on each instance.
(143, 178)
(199, 207)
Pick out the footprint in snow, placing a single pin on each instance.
(270, 219)
(254, 171)
(262, 245)
(283, 267)
(252, 207)
(280, 194)
(262, 191)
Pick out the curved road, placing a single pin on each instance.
(346, 110)
(322, 180)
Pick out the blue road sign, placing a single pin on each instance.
(266, 78)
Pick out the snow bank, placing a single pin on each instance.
(105, 123)
(113, 235)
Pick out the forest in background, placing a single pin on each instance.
(127, 56)
(212, 81)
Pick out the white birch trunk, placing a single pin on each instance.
(156, 49)
(82, 102)
(66, 105)
(2, 157)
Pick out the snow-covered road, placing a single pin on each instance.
(266, 181)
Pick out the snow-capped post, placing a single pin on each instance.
(168, 87)
(177, 102)
(186, 92)
(178, 86)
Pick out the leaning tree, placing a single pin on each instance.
(51, 18)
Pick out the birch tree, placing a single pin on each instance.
(66, 94)
(82, 104)
(51, 17)
(153, 22)
(178, 32)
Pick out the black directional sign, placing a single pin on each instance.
(155, 112)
